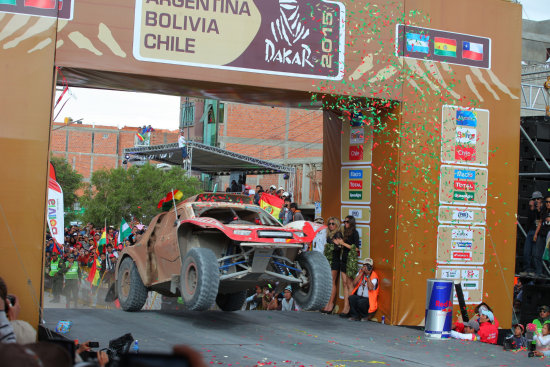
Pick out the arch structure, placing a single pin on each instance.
(421, 104)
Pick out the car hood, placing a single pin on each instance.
(302, 231)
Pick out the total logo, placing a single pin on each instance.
(464, 185)
(356, 185)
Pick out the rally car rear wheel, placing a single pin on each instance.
(314, 293)
(200, 279)
(132, 294)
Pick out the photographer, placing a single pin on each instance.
(6, 330)
(364, 297)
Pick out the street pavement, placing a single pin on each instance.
(258, 338)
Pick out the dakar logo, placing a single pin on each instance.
(288, 30)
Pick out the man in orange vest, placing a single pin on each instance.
(364, 297)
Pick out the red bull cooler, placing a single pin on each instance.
(439, 308)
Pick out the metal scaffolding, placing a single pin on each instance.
(208, 159)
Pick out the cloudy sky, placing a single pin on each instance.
(121, 109)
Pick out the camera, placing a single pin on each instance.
(531, 354)
(11, 298)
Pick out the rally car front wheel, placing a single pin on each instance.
(314, 293)
(131, 292)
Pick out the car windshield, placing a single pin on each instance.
(236, 214)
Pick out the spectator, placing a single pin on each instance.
(258, 194)
(540, 240)
(285, 215)
(517, 340)
(255, 300)
(320, 238)
(269, 301)
(288, 303)
(296, 214)
(349, 259)
(533, 218)
(73, 275)
(333, 253)
(484, 306)
(543, 319)
(6, 330)
(488, 332)
(53, 269)
(542, 338)
(469, 331)
(182, 144)
(272, 190)
(235, 187)
(286, 195)
(518, 289)
(363, 300)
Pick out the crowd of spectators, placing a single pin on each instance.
(537, 237)
(68, 266)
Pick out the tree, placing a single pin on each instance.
(135, 192)
(68, 179)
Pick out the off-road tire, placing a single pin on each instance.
(132, 294)
(200, 279)
(316, 294)
(231, 301)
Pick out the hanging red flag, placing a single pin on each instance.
(42, 4)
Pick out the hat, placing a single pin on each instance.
(288, 288)
(319, 220)
(275, 187)
(286, 194)
(281, 188)
(247, 187)
(537, 195)
(520, 326)
(489, 314)
(70, 257)
(368, 261)
(473, 324)
(544, 308)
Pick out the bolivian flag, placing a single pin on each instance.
(166, 202)
(93, 277)
(271, 204)
(444, 47)
(102, 242)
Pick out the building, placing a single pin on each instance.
(287, 136)
(88, 148)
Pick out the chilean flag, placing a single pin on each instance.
(472, 51)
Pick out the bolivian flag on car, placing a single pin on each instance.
(166, 202)
(271, 204)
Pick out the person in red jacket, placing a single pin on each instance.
(488, 333)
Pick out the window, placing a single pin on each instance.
(187, 113)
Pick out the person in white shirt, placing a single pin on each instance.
(288, 303)
(320, 239)
(470, 329)
(542, 339)
(182, 143)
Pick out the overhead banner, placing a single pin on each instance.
(286, 37)
(443, 46)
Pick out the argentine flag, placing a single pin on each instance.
(418, 43)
